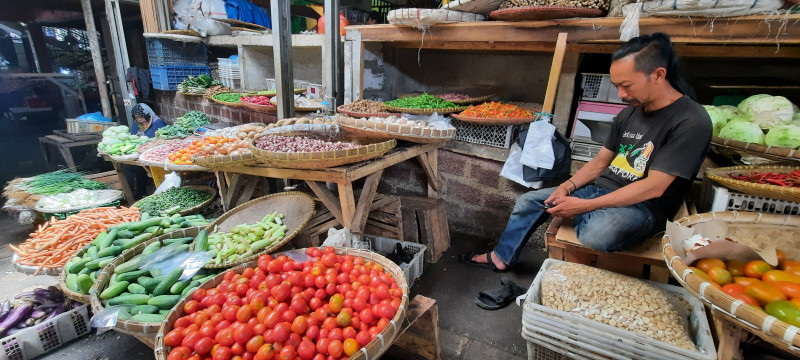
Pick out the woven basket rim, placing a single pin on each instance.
(328, 159)
(348, 125)
(495, 121)
(205, 188)
(780, 153)
(372, 350)
(489, 91)
(425, 111)
(129, 157)
(749, 318)
(213, 162)
(62, 280)
(779, 192)
(519, 13)
(258, 107)
(288, 237)
(342, 110)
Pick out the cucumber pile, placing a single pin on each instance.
(82, 268)
(148, 295)
(243, 240)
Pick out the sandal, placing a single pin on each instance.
(497, 299)
(466, 258)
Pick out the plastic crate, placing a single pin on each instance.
(229, 73)
(539, 352)
(716, 198)
(598, 87)
(75, 126)
(491, 135)
(46, 336)
(168, 77)
(163, 52)
(383, 246)
(582, 338)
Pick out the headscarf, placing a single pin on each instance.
(146, 112)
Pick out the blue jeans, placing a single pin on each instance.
(609, 229)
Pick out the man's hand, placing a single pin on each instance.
(569, 206)
(560, 192)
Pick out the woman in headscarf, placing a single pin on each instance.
(146, 121)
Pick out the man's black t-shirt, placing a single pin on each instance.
(673, 140)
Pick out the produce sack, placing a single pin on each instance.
(690, 8)
(424, 18)
(617, 300)
(473, 6)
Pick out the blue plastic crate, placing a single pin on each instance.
(163, 52)
(168, 77)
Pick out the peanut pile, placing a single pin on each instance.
(593, 4)
(365, 106)
(617, 300)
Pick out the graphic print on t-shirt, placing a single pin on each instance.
(631, 171)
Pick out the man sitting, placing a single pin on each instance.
(638, 179)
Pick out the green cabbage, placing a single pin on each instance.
(768, 111)
(743, 131)
(784, 136)
(744, 106)
(718, 118)
(740, 118)
(729, 110)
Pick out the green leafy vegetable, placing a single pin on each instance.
(183, 126)
(61, 181)
(424, 101)
(184, 198)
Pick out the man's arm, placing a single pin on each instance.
(585, 175)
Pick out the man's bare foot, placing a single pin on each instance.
(481, 258)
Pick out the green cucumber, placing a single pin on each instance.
(131, 275)
(164, 302)
(151, 318)
(114, 289)
(151, 284)
(172, 210)
(72, 282)
(125, 234)
(95, 264)
(143, 280)
(181, 240)
(152, 229)
(132, 299)
(189, 289)
(84, 282)
(201, 241)
(130, 265)
(107, 261)
(124, 315)
(108, 239)
(144, 216)
(136, 289)
(178, 287)
(78, 265)
(141, 225)
(91, 252)
(109, 251)
(137, 240)
(155, 273)
(153, 247)
(169, 280)
(144, 309)
(165, 223)
(100, 238)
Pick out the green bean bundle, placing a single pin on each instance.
(424, 101)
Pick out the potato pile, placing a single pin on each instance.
(299, 121)
(365, 106)
(617, 300)
(593, 4)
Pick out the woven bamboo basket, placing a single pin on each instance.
(175, 167)
(274, 101)
(197, 207)
(495, 121)
(786, 193)
(62, 280)
(270, 109)
(424, 111)
(129, 157)
(130, 327)
(143, 158)
(373, 350)
(322, 159)
(769, 152)
(227, 103)
(341, 109)
(477, 93)
(778, 229)
(296, 207)
(377, 130)
(224, 161)
(524, 13)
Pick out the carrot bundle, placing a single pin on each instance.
(55, 241)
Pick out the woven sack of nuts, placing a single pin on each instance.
(619, 301)
(592, 4)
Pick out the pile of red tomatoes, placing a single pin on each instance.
(322, 309)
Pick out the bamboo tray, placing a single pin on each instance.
(197, 207)
(155, 143)
(764, 190)
(274, 101)
(769, 152)
(224, 161)
(495, 121)
(373, 350)
(227, 103)
(424, 111)
(543, 13)
(269, 109)
(129, 157)
(103, 197)
(376, 130)
(756, 321)
(477, 93)
(322, 159)
(296, 207)
(175, 167)
(342, 110)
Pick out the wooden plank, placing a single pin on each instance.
(410, 225)
(247, 185)
(222, 184)
(729, 337)
(233, 186)
(126, 189)
(566, 89)
(391, 158)
(659, 273)
(384, 217)
(430, 173)
(419, 336)
(364, 201)
(576, 254)
(327, 198)
(434, 232)
(610, 262)
(555, 73)
(348, 205)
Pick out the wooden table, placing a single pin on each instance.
(64, 143)
(156, 172)
(236, 184)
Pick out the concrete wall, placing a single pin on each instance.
(170, 105)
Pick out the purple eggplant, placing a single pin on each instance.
(57, 311)
(18, 315)
(38, 314)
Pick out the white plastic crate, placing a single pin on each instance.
(383, 246)
(539, 352)
(598, 87)
(584, 151)
(491, 135)
(716, 198)
(230, 74)
(75, 126)
(46, 336)
(581, 338)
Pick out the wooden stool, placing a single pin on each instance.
(419, 336)
(425, 222)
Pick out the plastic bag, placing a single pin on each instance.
(538, 149)
(512, 168)
(617, 300)
(434, 120)
(165, 260)
(95, 116)
(339, 237)
(106, 319)
(171, 180)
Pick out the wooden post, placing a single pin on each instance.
(97, 60)
(555, 73)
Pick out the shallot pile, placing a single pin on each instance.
(279, 143)
(453, 96)
(161, 153)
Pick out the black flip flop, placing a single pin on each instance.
(466, 258)
(498, 299)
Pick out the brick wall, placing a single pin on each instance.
(478, 200)
(170, 105)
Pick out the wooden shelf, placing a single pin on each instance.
(263, 40)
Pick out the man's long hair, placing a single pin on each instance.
(652, 52)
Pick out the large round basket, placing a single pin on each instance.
(780, 230)
(296, 207)
(786, 193)
(373, 350)
(269, 109)
(175, 167)
(322, 159)
(227, 103)
(224, 161)
(424, 111)
(62, 280)
(495, 121)
(341, 109)
(543, 13)
(196, 208)
(144, 157)
(129, 157)
(103, 197)
(476, 93)
(274, 101)
(359, 127)
(769, 152)
(138, 328)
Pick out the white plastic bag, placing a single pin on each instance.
(538, 149)
(106, 319)
(171, 180)
(339, 237)
(512, 169)
(165, 260)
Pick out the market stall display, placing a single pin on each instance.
(151, 144)
(216, 89)
(196, 85)
(232, 99)
(82, 267)
(364, 328)
(302, 122)
(364, 108)
(159, 155)
(773, 182)
(464, 95)
(546, 12)
(495, 113)
(145, 282)
(425, 18)
(244, 131)
(757, 231)
(208, 146)
(25, 193)
(258, 103)
(183, 126)
(424, 104)
(76, 200)
(392, 127)
(301, 152)
(120, 144)
(246, 219)
(302, 103)
(52, 244)
(32, 308)
(177, 200)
